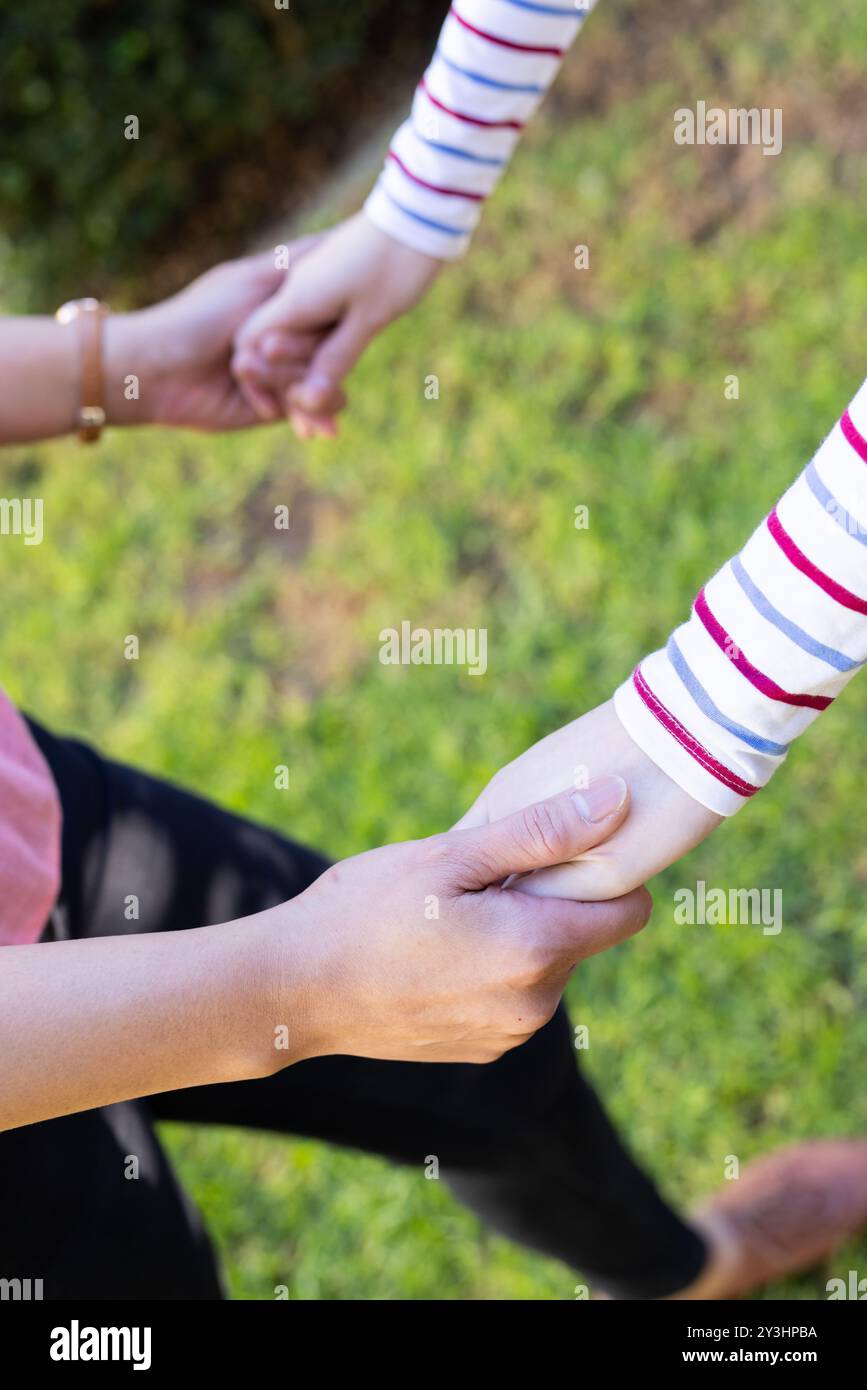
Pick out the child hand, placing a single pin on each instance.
(180, 349)
(664, 822)
(349, 288)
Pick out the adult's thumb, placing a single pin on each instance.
(549, 832)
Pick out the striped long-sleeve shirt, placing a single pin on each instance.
(494, 62)
(778, 632)
(772, 639)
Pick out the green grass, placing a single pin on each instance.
(557, 387)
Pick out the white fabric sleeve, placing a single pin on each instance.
(494, 62)
(772, 639)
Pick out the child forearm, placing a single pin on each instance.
(703, 723)
(494, 62)
(773, 637)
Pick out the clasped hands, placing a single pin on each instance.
(458, 948)
(248, 342)
(252, 342)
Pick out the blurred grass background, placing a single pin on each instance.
(557, 387)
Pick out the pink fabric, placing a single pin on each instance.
(30, 821)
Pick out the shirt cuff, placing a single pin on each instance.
(670, 745)
(414, 227)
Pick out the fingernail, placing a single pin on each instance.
(312, 391)
(601, 798)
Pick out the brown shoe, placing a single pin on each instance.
(787, 1212)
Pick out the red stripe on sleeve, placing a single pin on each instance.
(507, 43)
(757, 678)
(435, 187)
(806, 566)
(686, 740)
(462, 116)
(858, 442)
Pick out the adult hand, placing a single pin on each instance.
(179, 351)
(355, 282)
(417, 951)
(664, 821)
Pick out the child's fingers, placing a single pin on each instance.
(264, 384)
(309, 426)
(260, 401)
(281, 345)
(330, 400)
(333, 360)
(312, 426)
(318, 422)
(325, 427)
(264, 370)
(283, 361)
(267, 373)
(301, 424)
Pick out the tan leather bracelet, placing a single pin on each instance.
(88, 315)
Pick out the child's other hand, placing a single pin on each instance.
(664, 822)
(345, 291)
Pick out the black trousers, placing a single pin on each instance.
(523, 1141)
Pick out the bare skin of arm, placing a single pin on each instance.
(179, 352)
(352, 965)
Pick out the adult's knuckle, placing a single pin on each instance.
(532, 968)
(539, 1011)
(630, 913)
(441, 853)
(543, 830)
(641, 906)
(464, 860)
(436, 849)
(519, 1018)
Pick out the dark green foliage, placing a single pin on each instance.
(238, 106)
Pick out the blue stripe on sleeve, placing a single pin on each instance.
(707, 706)
(836, 511)
(802, 639)
(458, 153)
(562, 12)
(530, 89)
(425, 221)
